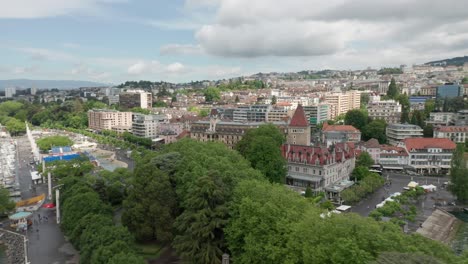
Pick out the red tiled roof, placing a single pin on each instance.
(326, 128)
(184, 134)
(322, 155)
(299, 118)
(400, 151)
(423, 143)
(452, 129)
(372, 143)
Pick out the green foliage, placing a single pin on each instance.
(386, 71)
(365, 160)
(146, 142)
(126, 258)
(159, 103)
(375, 129)
(364, 100)
(203, 113)
(429, 106)
(417, 118)
(274, 100)
(76, 167)
(261, 146)
(15, 126)
(6, 204)
(360, 172)
(428, 131)
(47, 143)
(392, 91)
(464, 80)
(369, 183)
(212, 94)
(140, 110)
(356, 118)
(10, 108)
(403, 99)
(459, 175)
(308, 193)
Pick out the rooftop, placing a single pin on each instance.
(452, 129)
(299, 118)
(348, 128)
(424, 143)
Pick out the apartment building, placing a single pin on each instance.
(340, 103)
(461, 119)
(429, 155)
(317, 113)
(228, 132)
(147, 126)
(332, 134)
(441, 118)
(458, 134)
(388, 110)
(393, 157)
(10, 92)
(255, 113)
(398, 132)
(136, 98)
(105, 119)
(372, 147)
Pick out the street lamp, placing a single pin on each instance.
(57, 202)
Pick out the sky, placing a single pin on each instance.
(113, 41)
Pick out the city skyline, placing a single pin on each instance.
(117, 40)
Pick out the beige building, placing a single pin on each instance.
(105, 119)
(458, 134)
(388, 110)
(340, 103)
(136, 98)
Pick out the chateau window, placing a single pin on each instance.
(297, 169)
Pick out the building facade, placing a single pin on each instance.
(10, 92)
(332, 134)
(147, 126)
(105, 119)
(340, 103)
(441, 118)
(461, 119)
(429, 155)
(388, 110)
(398, 132)
(393, 157)
(317, 114)
(458, 134)
(449, 90)
(372, 147)
(136, 98)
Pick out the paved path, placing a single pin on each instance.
(47, 244)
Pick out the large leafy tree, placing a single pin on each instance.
(261, 146)
(365, 160)
(459, 174)
(392, 91)
(375, 129)
(200, 237)
(47, 143)
(356, 118)
(6, 204)
(212, 94)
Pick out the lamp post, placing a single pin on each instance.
(57, 202)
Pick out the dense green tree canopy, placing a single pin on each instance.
(375, 129)
(46, 143)
(356, 118)
(365, 160)
(459, 174)
(6, 204)
(212, 94)
(392, 91)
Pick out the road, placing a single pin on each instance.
(425, 204)
(47, 244)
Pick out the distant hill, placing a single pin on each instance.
(48, 84)
(458, 61)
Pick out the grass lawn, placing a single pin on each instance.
(149, 250)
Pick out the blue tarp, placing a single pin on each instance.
(63, 157)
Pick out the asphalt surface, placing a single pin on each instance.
(425, 204)
(46, 242)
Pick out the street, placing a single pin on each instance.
(47, 244)
(424, 205)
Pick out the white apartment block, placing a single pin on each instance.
(10, 92)
(441, 118)
(147, 126)
(105, 119)
(136, 98)
(388, 110)
(398, 132)
(340, 103)
(392, 157)
(458, 134)
(429, 155)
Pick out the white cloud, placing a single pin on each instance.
(142, 67)
(180, 49)
(46, 54)
(174, 24)
(176, 67)
(28, 9)
(22, 70)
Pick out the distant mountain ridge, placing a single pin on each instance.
(457, 61)
(48, 84)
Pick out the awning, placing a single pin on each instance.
(392, 168)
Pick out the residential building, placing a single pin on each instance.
(228, 132)
(298, 128)
(372, 147)
(255, 113)
(136, 98)
(340, 103)
(10, 92)
(429, 155)
(105, 119)
(449, 90)
(458, 134)
(441, 118)
(332, 134)
(33, 90)
(462, 118)
(388, 110)
(317, 114)
(147, 126)
(393, 157)
(430, 91)
(398, 132)
(277, 114)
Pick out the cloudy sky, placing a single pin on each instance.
(176, 40)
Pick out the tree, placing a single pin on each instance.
(392, 91)
(465, 80)
(273, 100)
(126, 258)
(375, 129)
(174, 99)
(403, 99)
(356, 118)
(212, 94)
(364, 100)
(459, 175)
(429, 106)
(47, 143)
(237, 100)
(359, 173)
(6, 204)
(428, 131)
(200, 236)
(364, 160)
(261, 147)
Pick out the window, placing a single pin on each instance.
(304, 170)
(297, 169)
